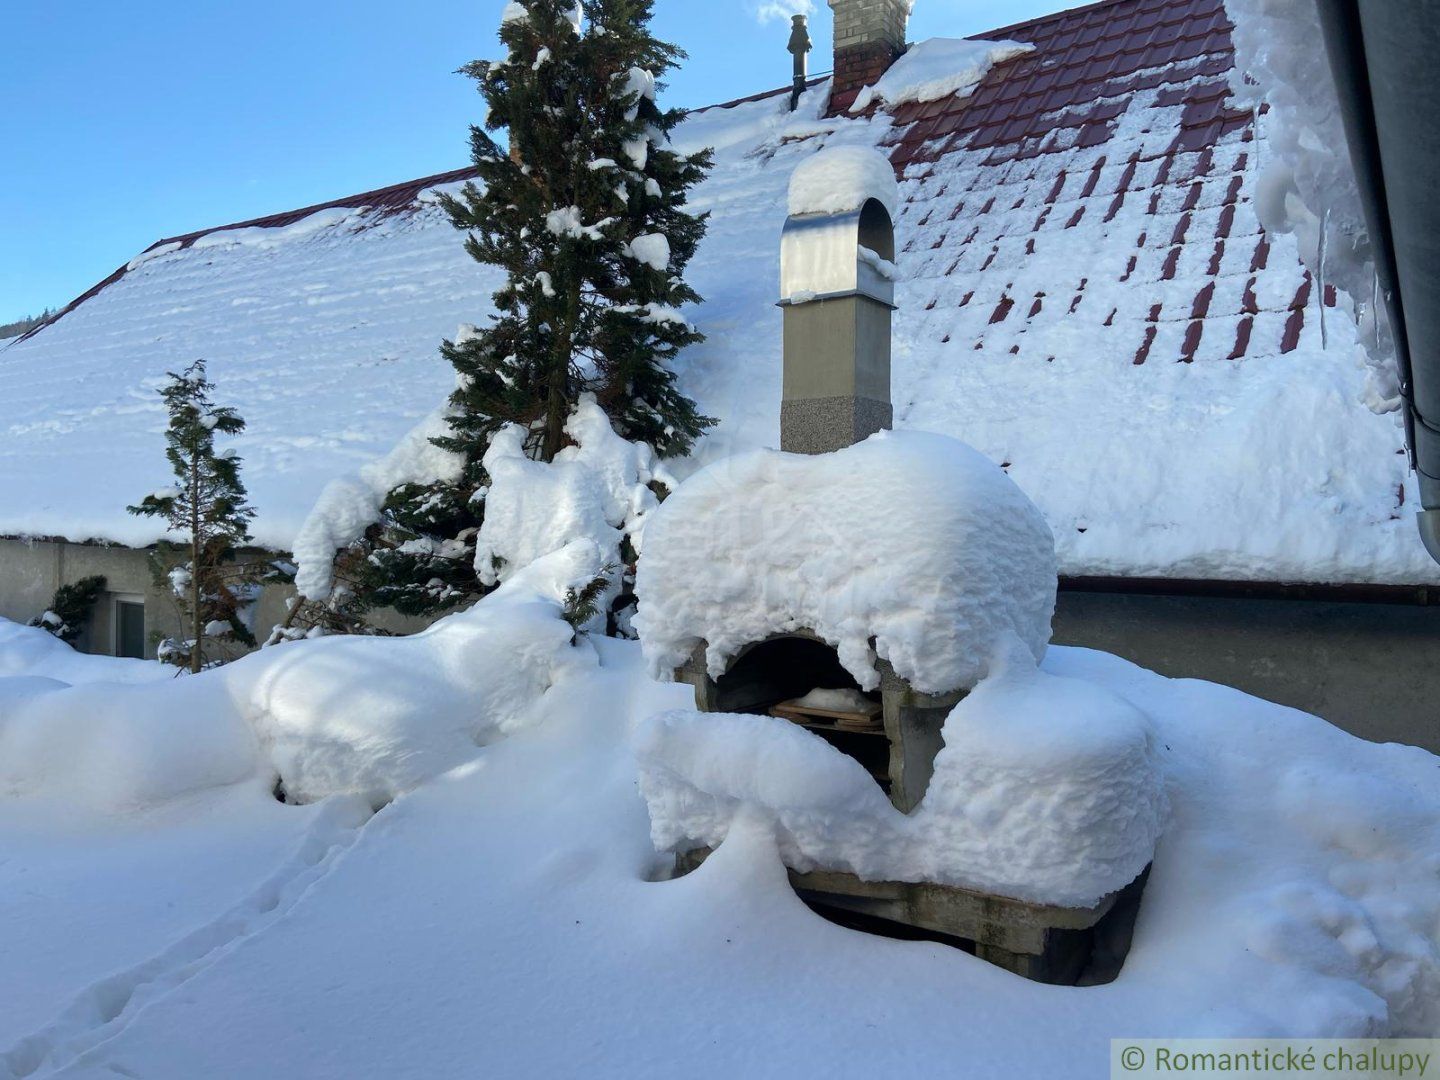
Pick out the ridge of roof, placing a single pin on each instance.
(395, 197)
(392, 195)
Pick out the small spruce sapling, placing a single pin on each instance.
(70, 609)
(583, 605)
(207, 506)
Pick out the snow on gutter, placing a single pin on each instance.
(1351, 179)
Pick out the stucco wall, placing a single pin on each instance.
(31, 571)
(1372, 669)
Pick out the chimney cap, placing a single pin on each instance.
(799, 36)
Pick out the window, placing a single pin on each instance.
(130, 628)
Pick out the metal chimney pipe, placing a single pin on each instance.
(837, 287)
(800, 49)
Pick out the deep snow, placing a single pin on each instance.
(909, 546)
(1048, 789)
(505, 916)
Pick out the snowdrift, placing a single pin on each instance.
(1048, 789)
(911, 539)
(371, 717)
(167, 928)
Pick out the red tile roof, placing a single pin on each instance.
(1034, 150)
(1050, 118)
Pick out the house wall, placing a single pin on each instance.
(31, 571)
(1372, 669)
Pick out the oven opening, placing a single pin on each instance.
(802, 680)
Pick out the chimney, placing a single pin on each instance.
(869, 37)
(837, 289)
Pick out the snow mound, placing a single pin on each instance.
(1048, 783)
(379, 716)
(843, 178)
(596, 490)
(938, 68)
(349, 505)
(360, 716)
(841, 700)
(911, 539)
(118, 746)
(28, 651)
(1048, 790)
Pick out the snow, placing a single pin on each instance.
(637, 150)
(641, 84)
(29, 652)
(506, 910)
(155, 252)
(567, 221)
(1308, 187)
(358, 716)
(349, 505)
(841, 179)
(93, 901)
(595, 490)
(514, 12)
(835, 700)
(1272, 468)
(652, 249)
(910, 540)
(510, 915)
(375, 717)
(266, 238)
(938, 68)
(883, 266)
(1047, 789)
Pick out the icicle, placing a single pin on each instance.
(1320, 267)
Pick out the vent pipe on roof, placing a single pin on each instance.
(800, 49)
(869, 37)
(1382, 53)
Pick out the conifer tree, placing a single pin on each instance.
(583, 207)
(207, 505)
(70, 609)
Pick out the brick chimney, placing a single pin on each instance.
(869, 37)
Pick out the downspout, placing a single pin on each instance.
(1382, 54)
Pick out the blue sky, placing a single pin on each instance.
(128, 121)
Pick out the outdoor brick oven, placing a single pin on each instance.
(860, 586)
(837, 294)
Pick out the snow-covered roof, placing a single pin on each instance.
(1084, 295)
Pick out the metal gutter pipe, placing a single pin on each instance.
(1385, 56)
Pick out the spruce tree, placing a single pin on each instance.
(70, 609)
(207, 505)
(583, 207)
